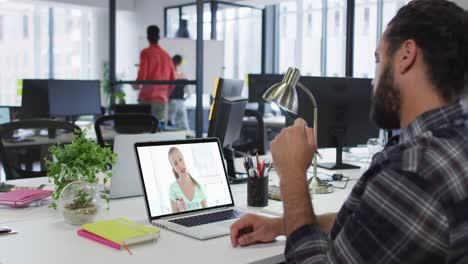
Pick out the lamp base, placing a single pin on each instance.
(319, 186)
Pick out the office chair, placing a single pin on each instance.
(131, 123)
(18, 155)
(248, 145)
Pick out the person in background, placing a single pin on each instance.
(177, 110)
(155, 64)
(411, 205)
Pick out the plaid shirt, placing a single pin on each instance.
(410, 206)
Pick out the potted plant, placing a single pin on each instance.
(79, 202)
(82, 160)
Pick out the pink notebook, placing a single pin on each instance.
(23, 197)
(99, 239)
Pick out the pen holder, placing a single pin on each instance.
(257, 191)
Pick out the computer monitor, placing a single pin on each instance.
(227, 128)
(5, 114)
(259, 83)
(35, 99)
(223, 88)
(229, 117)
(132, 108)
(343, 110)
(71, 98)
(125, 126)
(343, 114)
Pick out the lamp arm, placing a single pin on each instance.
(314, 103)
(309, 93)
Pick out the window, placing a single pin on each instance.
(366, 21)
(336, 41)
(288, 42)
(367, 34)
(71, 43)
(19, 63)
(321, 24)
(2, 22)
(365, 38)
(25, 26)
(26, 53)
(312, 43)
(238, 26)
(172, 22)
(189, 13)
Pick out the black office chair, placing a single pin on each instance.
(131, 123)
(18, 155)
(249, 144)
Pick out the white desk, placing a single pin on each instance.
(45, 238)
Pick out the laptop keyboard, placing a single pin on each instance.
(208, 218)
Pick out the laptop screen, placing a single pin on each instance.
(182, 176)
(5, 116)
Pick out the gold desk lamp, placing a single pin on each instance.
(284, 95)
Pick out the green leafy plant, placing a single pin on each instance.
(120, 97)
(82, 200)
(81, 160)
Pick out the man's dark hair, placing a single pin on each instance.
(177, 59)
(152, 33)
(440, 30)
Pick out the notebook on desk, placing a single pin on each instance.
(203, 210)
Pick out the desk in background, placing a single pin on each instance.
(43, 237)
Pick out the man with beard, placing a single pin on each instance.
(411, 205)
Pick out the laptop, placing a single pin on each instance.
(125, 181)
(5, 114)
(204, 210)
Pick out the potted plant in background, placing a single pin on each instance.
(81, 161)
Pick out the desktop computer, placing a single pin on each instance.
(223, 88)
(227, 129)
(226, 114)
(60, 98)
(127, 126)
(343, 114)
(343, 110)
(72, 98)
(35, 99)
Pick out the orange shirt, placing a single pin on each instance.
(155, 64)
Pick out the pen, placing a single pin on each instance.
(258, 165)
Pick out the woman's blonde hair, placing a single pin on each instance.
(169, 153)
(176, 175)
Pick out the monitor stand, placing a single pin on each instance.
(231, 169)
(338, 165)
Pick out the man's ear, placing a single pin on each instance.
(406, 56)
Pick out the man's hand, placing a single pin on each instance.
(254, 228)
(293, 150)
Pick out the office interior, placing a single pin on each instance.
(92, 50)
(254, 41)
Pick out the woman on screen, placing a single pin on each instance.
(185, 193)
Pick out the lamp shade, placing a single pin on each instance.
(284, 93)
